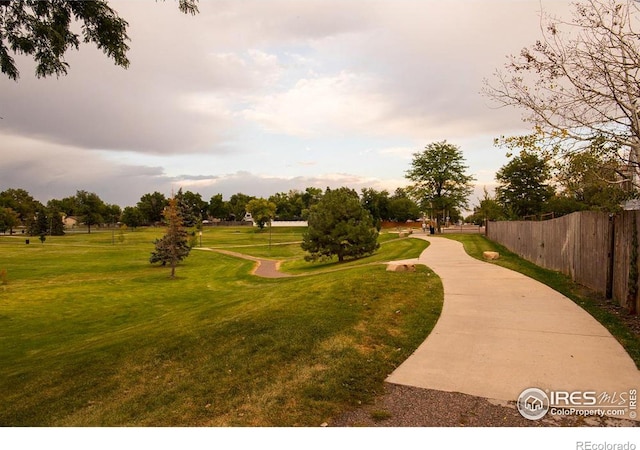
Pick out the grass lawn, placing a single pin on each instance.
(475, 244)
(92, 335)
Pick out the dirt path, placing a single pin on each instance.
(265, 268)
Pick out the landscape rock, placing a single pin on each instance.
(491, 255)
(401, 267)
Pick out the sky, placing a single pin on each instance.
(265, 96)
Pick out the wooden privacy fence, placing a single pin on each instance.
(592, 248)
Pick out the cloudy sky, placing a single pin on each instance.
(265, 96)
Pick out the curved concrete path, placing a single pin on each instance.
(501, 332)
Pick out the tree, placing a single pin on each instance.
(262, 211)
(440, 181)
(45, 30)
(487, 209)
(217, 207)
(132, 217)
(173, 247)
(22, 203)
(311, 196)
(90, 208)
(67, 205)
(39, 226)
(583, 178)
(238, 205)
(191, 207)
(289, 205)
(580, 82)
(112, 213)
(402, 207)
(8, 220)
(340, 226)
(523, 188)
(377, 203)
(151, 207)
(56, 225)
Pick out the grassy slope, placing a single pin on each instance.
(91, 334)
(476, 244)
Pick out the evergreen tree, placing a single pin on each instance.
(340, 226)
(173, 247)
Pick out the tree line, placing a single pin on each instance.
(533, 186)
(578, 87)
(19, 209)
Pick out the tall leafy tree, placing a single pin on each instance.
(340, 226)
(402, 207)
(440, 181)
(151, 207)
(289, 205)
(487, 209)
(112, 213)
(67, 205)
(45, 30)
(173, 247)
(580, 82)
(22, 203)
(218, 207)
(8, 220)
(584, 178)
(90, 208)
(132, 217)
(238, 205)
(377, 203)
(524, 185)
(311, 196)
(262, 211)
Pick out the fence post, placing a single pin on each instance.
(611, 256)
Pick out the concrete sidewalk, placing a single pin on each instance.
(501, 332)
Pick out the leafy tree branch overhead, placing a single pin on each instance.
(43, 30)
(580, 82)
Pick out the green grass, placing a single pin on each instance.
(391, 248)
(475, 244)
(277, 243)
(92, 335)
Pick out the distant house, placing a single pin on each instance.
(70, 222)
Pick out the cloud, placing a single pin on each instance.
(262, 185)
(320, 106)
(245, 85)
(55, 171)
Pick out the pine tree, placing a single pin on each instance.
(173, 247)
(340, 226)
